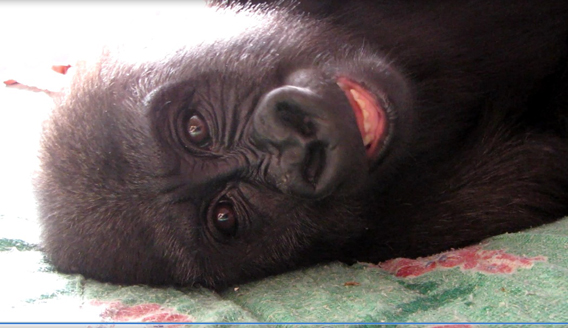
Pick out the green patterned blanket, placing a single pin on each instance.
(520, 277)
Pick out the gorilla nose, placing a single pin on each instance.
(292, 124)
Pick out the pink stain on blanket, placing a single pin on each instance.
(470, 258)
(453, 326)
(148, 312)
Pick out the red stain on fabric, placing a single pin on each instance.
(147, 312)
(472, 258)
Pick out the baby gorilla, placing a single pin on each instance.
(296, 134)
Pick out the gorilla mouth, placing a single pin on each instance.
(370, 115)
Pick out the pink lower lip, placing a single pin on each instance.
(377, 116)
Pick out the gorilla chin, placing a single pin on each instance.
(299, 135)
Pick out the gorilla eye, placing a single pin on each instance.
(225, 219)
(197, 131)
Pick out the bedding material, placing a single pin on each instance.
(518, 277)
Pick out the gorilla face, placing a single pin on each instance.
(241, 155)
(226, 164)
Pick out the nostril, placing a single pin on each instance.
(314, 163)
(294, 127)
(293, 116)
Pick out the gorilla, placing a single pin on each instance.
(273, 136)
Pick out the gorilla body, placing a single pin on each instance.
(246, 154)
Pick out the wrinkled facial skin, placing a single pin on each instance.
(241, 156)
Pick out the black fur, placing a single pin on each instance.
(475, 92)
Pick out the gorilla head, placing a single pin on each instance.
(286, 140)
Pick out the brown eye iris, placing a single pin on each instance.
(197, 131)
(225, 219)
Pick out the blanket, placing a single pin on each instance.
(517, 277)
